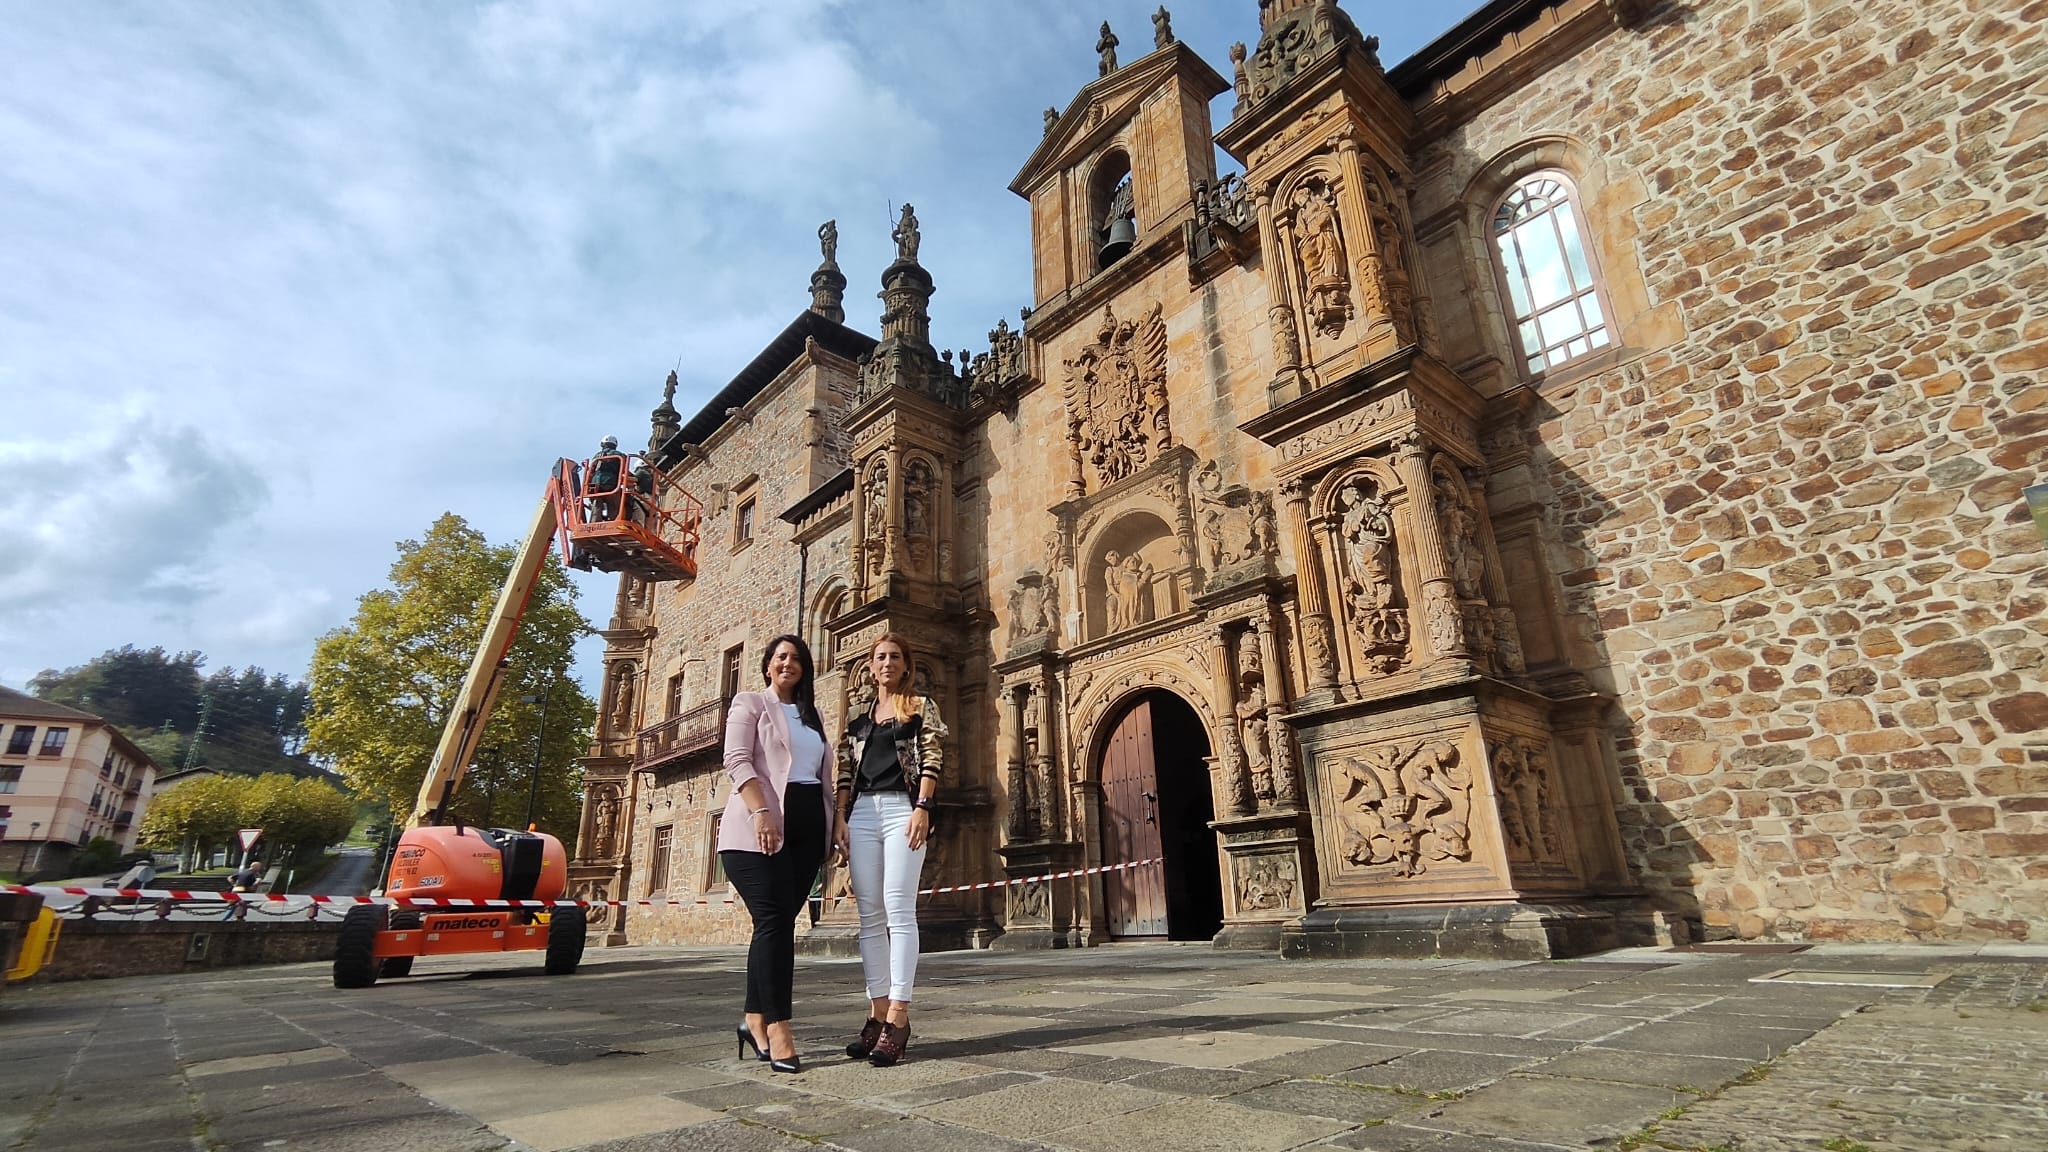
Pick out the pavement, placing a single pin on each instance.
(1157, 1047)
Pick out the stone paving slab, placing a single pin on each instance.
(1145, 1047)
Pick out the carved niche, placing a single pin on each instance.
(920, 492)
(604, 823)
(875, 493)
(1115, 395)
(1465, 560)
(1374, 608)
(1385, 285)
(1235, 524)
(1255, 729)
(1405, 805)
(621, 715)
(1127, 591)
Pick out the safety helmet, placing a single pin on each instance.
(609, 443)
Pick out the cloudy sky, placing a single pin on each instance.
(281, 283)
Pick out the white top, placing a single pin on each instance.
(806, 749)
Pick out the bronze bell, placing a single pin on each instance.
(1121, 234)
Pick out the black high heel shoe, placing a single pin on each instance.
(747, 1041)
(793, 1064)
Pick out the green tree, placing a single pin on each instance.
(383, 687)
(198, 815)
(299, 817)
(254, 722)
(133, 687)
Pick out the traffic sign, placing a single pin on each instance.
(249, 836)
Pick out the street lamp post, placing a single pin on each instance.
(36, 861)
(540, 743)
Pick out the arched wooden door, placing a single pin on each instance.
(1135, 897)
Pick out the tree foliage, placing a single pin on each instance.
(383, 687)
(243, 720)
(299, 816)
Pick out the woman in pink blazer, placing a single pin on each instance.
(774, 833)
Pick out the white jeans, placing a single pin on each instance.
(885, 873)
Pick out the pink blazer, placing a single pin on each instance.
(757, 748)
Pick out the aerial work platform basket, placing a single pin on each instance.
(618, 513)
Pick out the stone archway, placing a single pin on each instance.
(1153, 760)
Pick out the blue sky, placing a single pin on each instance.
(281, 283)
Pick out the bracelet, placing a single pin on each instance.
(759, 811)
(924, 802)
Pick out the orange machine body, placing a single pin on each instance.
(461, 863)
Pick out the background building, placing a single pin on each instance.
(1563, 489)
(66, 778)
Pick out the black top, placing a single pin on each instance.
(880, 768)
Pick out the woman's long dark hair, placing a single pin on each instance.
(806, 698)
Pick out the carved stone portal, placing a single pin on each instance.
(1115, 395)
(1405, 806)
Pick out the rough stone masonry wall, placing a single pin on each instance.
(1797, 535)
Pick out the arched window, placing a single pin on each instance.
(1111, 210)
(1549, 273)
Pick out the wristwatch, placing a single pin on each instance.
(924, 802)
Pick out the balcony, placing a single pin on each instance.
(700, 729)
(125, 819)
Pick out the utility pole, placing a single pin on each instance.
(540, 743)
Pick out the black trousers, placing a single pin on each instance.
(775, 888)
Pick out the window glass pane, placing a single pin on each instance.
(1599, 337)
(1511, 264)
(1544, 262)
(1574, 247)
(1590, 304)
(1530, 341)
(1559, 325)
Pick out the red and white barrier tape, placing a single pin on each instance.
(443, 902)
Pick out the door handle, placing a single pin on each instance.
(1151, 798)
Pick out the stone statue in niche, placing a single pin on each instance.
(1319, 250)
(1236, 524)
(1252, 718)
(1127, 591)
(1372, 590)
(918, 490)
(1105, 46)
(1266, 884)
(1463, 553)
(1115, 394)
(1400, 297)
(906, 236)
(604, 823)
(622, 702)
(860, 690)
(1404, 806)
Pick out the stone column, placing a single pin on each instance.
(1443, 622)
(1280, 313)
(1237, 774)
(942, 523)
(1319, 643)
(1279, 742)
(892, 519)
(1019, 814)
(1507, 637)
(859, 551)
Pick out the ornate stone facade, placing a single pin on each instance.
(1719, 613)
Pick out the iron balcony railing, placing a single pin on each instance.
(700, 729)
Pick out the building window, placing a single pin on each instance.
(675, 695)
(729, 675)
(10, 777)
(743, 523)
(6, 814)
(53, 741)
(1551, 283)
(714, 872)
(18, 744)
(657, 865)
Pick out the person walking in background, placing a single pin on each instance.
(889, 763)
(774, 833)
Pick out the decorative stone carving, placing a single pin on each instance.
(1162, 28)
(1463, 551)
(1033, 903)
(877, 497)
(993, 375)
(906, 235)
(1105, 45)
(1127, 591)
(1296, 35)
(1319, 256)
(828, 240)
(1034, 607)
(1252, 718)
(1266, 883)
(1316, 637)
(1372, 589)
(597, 897)
(604, 823)
(1404, 806)
(1242, 84)
(1052, 119)
(1115, 393)
(1286, 337)
(1521, 785)
(1236, 524)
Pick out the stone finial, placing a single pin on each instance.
(1162, 28)
(666, 421)
(1052, 119)
(1106, 45)
(828, 283)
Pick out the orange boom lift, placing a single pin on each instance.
(616, 522)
